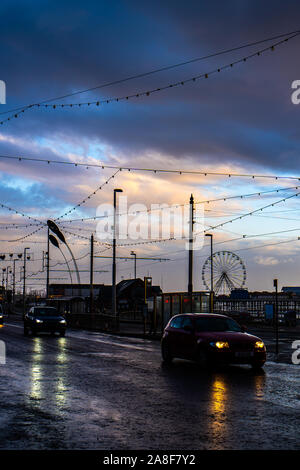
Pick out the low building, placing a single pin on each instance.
(75, 298)
(130, 295)
(72, 290)
(72, 298)
(291, 290)
(254, 305)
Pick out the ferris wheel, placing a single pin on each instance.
(229, 272)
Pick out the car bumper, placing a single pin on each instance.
(237, 357)
(47, 327)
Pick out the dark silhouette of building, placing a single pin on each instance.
(130, 295)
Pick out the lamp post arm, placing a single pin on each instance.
(75, 264)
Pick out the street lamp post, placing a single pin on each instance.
(14, 276)
(3, 271)
(14, 282)
(114, 290)
(7, 273)
(191, 225)
(134, 254)
(211, 307)
(275, 283)
(24, 279)
(191, 252)
(48, 264)
(54, 228)
(92, 275)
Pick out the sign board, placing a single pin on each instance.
(269, 311)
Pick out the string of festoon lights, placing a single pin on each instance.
(4, 206)
(145, 93)
(250, 213)
(83, 201)
(103, 166)
(158, 70)
(224, 223)
(161, 207)
(82, 237)
(25, 237)
(44, 224)
(39, 222)
(109, 245)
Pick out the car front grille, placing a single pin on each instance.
(241, 346)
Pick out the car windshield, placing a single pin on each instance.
(217, 324)
(49, 312)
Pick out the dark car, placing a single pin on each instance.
(44, 319)
(211, 339)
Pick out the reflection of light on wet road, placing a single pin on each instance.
(36, 371)
(259, 384)
(218, 401)
(47, 373)
(60, 384)
(218, 396)
(61, 356)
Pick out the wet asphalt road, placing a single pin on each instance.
(96, 391)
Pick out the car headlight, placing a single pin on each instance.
(63, 322)
(259, 345)
(220, 344)
(37, 320)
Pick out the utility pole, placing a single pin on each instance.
(7, 273)
(14, 282)
(92, 276)
(190, 284)
(134, 254)
(24, 280)
(14, 275)
(275, 283)
(48, 265)
(211, 307)
(114, 288)
(147, 285)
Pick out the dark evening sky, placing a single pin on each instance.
(239, 120)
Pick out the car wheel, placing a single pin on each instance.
(165, 352)
(25, 331)
(33, 333)
(62, 333)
